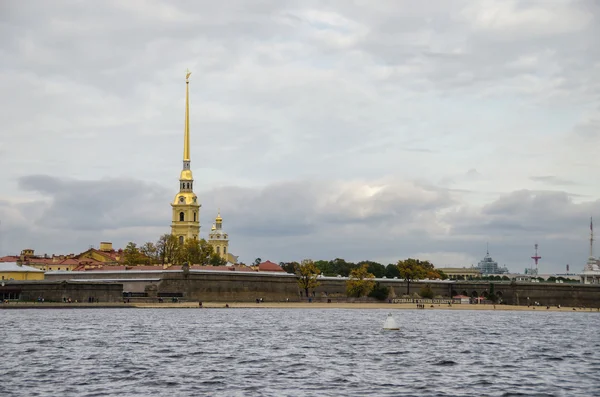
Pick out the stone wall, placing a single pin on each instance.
(56, 291)
(229, 286)
(248, 286)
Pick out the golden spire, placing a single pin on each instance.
(218, 219)
(186, 137)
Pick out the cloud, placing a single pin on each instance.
(354, 129)
(552, 180)
(379, 220)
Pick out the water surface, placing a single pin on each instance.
(297, 352)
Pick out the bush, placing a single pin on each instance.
(426, 292)
(379, 292)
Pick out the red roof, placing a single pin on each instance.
(269, 266)
(9, 258)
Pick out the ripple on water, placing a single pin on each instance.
(296, 352)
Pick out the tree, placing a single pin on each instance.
(131, 254)
(289, 267)
(379, 292)
(167, 249)
(257, 261)
(341, 267)
(216, 260)
(413, 269)
(360, 282)
(426, 292)
(150, 252)
(197, 252)
(392, 271)
(307, 274)
(376, 269)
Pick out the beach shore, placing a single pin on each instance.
(284, 305)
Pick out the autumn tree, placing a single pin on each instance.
(131, 254)
(197, 252)
(415, 269)
(307, 274)
(360, 281)
(150, 252)
(167, 249)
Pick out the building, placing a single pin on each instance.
(185, 222)
(488, 266)
(14, 271)
(465, 273)
(218, 238)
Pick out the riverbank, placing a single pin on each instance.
(282, 305)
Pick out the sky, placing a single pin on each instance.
(364, 130)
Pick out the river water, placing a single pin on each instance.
(297, 352)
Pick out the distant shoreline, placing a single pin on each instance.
(286, 305)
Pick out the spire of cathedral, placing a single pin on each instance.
(186, 208)
(186, 135)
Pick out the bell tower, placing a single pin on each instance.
(185, 223)
(218, 238)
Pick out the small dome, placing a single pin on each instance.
(218, 218)
(213, 227)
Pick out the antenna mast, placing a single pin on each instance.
(536, 258)
(591, 238)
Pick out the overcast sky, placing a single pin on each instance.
(356, 129)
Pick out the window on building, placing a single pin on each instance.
(224, 250)
(180, 239)
(218, 250)
(194, 217)
(181, 216)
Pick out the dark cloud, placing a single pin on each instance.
(292, 220)
(97, 205)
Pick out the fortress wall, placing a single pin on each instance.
(230, 286)
(242, 286)
(56, 291)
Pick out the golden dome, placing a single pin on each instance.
(186, 175)
(185, 198)
(213, 227)
(218, 218)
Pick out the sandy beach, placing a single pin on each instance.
(285, 305)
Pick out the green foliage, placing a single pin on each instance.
(131, 255)
(167, 248)
(216, 260)
(379, 292)
(426, 292)
(376, 269)
(392, 271)
(196, 252)
(307, 274)
(289, 267)
(360, 282)
(149, 253)
(257, 261)
(414, 269)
